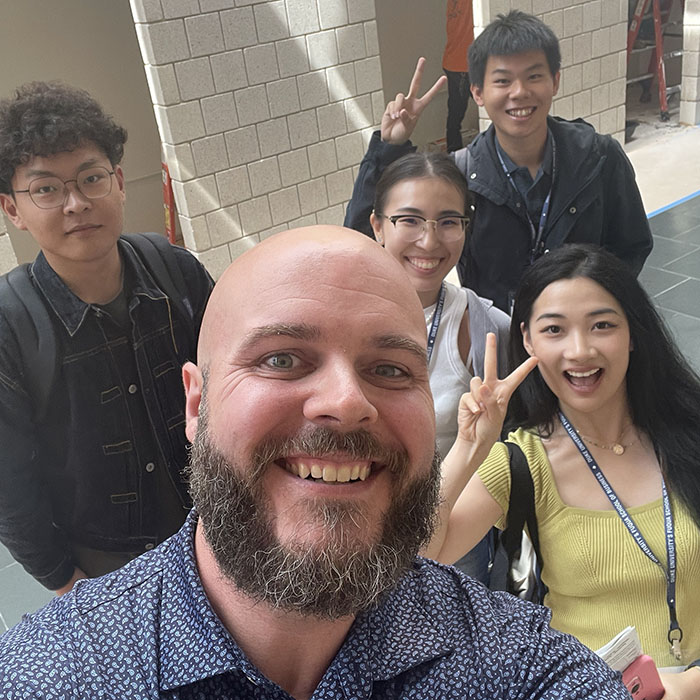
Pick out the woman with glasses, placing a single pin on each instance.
(420, 215)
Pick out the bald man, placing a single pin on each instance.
(315, 481)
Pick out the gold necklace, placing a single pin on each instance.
(616, 447)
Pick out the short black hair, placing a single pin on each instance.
(512, 33)
(44, 118)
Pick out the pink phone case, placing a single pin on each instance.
(642, 679)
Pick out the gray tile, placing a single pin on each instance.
(676, 221)
(19, 594)
(5, 557)
(691, 236)
(684, 298)
(687, 265)
(656, 280)
(686, 331)
(667, 249)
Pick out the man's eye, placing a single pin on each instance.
(45, 189)
(281, 360)
(390, 372)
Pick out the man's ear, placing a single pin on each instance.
(9, 206)
(477, 94)
(192, 379)
(119, 175)
(556, 77)
(376, 223)
(527, 342)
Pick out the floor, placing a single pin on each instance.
(665, 157)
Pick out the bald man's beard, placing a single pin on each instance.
(347, 573)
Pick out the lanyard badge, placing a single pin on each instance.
(675, 633)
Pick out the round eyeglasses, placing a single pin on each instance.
(411, 227)
(51, 192)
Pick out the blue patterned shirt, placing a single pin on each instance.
(148, 631)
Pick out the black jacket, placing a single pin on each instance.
(594, 200)
(91, 473)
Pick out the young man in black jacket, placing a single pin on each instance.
(538, 181)
(98, 478)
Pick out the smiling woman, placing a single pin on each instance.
(608, 424)
(421, 213)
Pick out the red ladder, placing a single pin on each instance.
(657, 66)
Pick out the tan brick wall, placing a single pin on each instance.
(264, 109)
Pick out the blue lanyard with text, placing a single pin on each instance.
(675, 633)
(436, 321)
(536, 234)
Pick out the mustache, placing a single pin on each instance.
(320, 441)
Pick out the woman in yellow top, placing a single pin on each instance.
(610, 425)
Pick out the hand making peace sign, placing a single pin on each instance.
(482, 409)
(401, 114)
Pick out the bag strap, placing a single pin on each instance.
(158, 255)
(521, 506)
(31, 323)
(461, 158)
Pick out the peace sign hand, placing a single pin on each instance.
(482, 409)
(401, 114)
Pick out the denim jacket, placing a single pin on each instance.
(89, 473)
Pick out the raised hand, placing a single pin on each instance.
(482, 409)
(401, 114)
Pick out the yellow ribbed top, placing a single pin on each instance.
(599, 580)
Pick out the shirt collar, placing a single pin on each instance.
(194, 645)
(70, 309)
(546, 165)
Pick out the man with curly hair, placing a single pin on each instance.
(96, 478)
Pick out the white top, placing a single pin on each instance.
(449, 376)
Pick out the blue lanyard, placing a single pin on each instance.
(536, 234)
(436, 321)
(675, 633)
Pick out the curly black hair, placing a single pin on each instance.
(44, 118)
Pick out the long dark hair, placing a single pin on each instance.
(414, 166)
(663, 391)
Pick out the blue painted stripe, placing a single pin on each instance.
(673, 204)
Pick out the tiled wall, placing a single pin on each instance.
(264, 109)
(8, 259)
(690, 90)
(593, 38)
(265, 106)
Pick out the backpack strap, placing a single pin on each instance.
(461, 158)
(521, 510)
(158, 255)
(29, 319)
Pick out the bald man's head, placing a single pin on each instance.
(315, 255)
(314, 434)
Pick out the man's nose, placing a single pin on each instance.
(74, 200)
(339, 398)
(518, 88)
